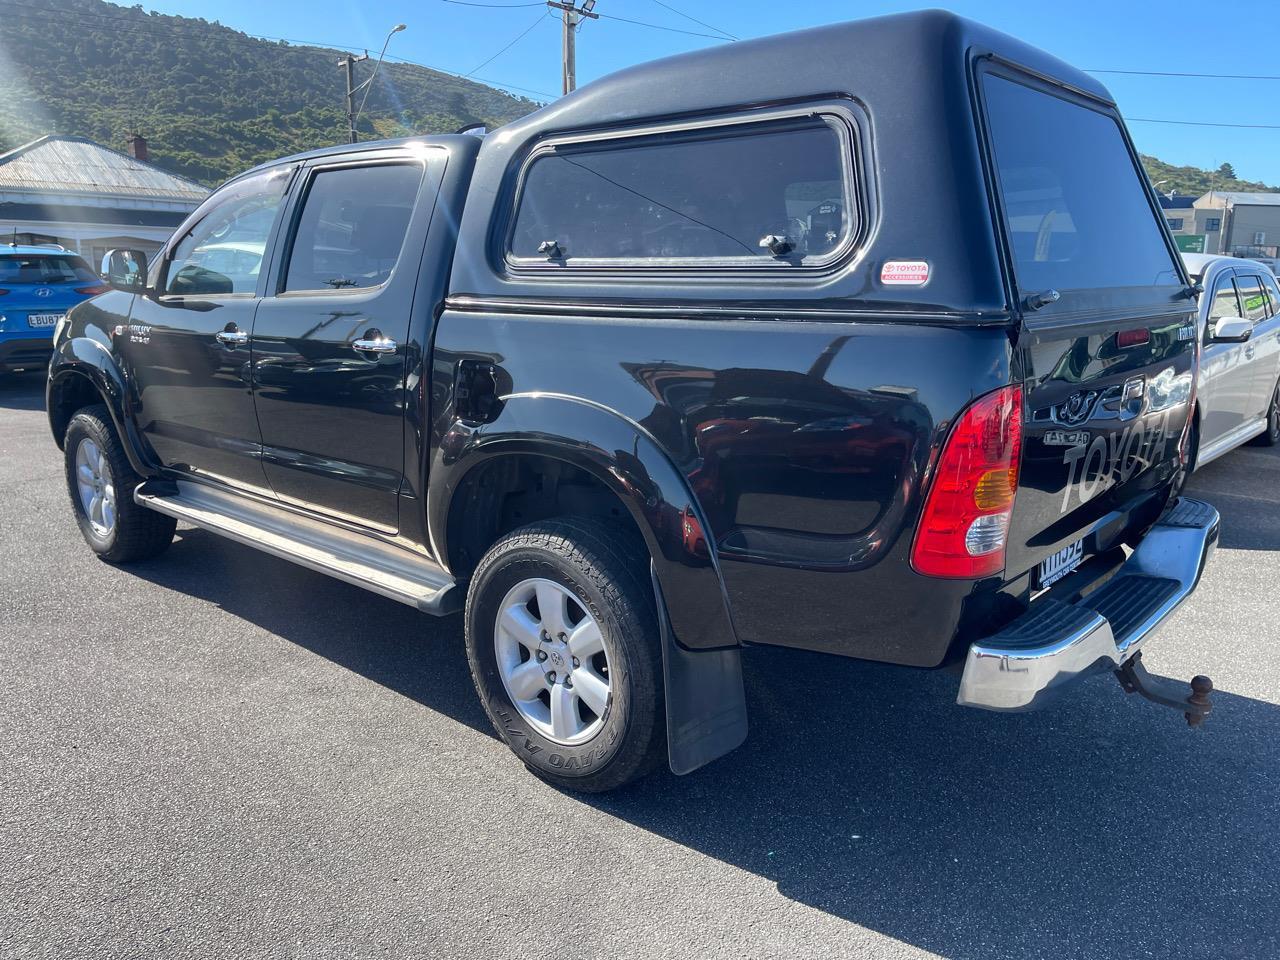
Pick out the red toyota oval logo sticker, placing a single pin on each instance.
(905, 273)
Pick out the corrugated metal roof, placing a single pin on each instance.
(1244, 199)
(79, 167)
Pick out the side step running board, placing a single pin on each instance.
(354, 557)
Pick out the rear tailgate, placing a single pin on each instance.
(1106, 347)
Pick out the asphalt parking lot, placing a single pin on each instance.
(220, 754)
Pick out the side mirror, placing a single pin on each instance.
(1230, 329)
(125, 269)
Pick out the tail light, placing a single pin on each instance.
(94, 290)
(964, 527)
(3, 292)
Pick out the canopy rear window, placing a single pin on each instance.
(1076, 208)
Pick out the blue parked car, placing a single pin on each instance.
(38, 285)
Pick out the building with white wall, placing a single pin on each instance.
(90, 198)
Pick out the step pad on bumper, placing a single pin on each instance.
(1056, 642)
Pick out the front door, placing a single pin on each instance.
(1226, 390)
(330, 344)
(187, 344)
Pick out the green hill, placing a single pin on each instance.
(1194, 181)
(212, 101)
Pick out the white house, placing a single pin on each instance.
(90, 198)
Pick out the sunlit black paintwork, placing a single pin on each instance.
(793, 419)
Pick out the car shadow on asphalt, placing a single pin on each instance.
(418, 656)
(22, 391)
(1101, 827)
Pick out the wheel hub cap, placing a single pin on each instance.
(95, 487)
(553, 662)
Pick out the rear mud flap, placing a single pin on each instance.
(706, 704)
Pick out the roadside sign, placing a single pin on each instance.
(1189, 242)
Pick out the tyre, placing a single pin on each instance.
(1271, 436)
(562, 638)
(101, 481)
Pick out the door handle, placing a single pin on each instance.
(231, 337)
(375, 344)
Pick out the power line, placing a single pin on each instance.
(520, 36)
(701, 23)
(494, 6)
(659, 26)
(1206, 123)
(1198, 76)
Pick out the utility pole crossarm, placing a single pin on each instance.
(572, 16)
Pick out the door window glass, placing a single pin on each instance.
(1252, 298)
(352, 227)
(1225, 303)
(222, 253)
(680, 196)
(1076, 210)
(1273, 294)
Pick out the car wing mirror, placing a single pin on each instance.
(1230, 329)
(125, 269)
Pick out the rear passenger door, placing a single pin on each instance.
(330, 341)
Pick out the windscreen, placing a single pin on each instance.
(1076, 209)
(44, 268)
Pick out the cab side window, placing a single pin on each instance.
(222, 253)
(353, 224)
(1252, 298)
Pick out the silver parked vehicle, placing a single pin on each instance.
(1238, 396)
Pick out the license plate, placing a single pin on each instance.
(1057, 566)
(43, 319)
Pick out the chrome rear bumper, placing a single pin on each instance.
(1054, 642)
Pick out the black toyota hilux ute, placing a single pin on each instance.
(868, 340)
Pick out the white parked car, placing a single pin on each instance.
(1238, 396)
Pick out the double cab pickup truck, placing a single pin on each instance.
(868, 340)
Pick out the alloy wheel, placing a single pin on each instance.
(553, 661)
(96, 488)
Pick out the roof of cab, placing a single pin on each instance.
(453, 141)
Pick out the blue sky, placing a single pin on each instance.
(1169, 35)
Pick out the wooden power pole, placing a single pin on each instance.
(571, 16)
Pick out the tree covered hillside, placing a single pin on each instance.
(1192, 181)
(211, 100)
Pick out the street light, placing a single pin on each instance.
(368, 84)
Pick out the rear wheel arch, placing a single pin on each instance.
(611, 462)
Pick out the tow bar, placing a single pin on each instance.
(1134, 678)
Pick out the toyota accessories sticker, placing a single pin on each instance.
(909, 273)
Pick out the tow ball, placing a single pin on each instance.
(1195, 707)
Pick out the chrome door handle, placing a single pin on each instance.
(375, 345)
(231, 338)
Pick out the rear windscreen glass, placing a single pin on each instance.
(1075, 207)
(42, 268)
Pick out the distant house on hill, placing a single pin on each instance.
(90, 198)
